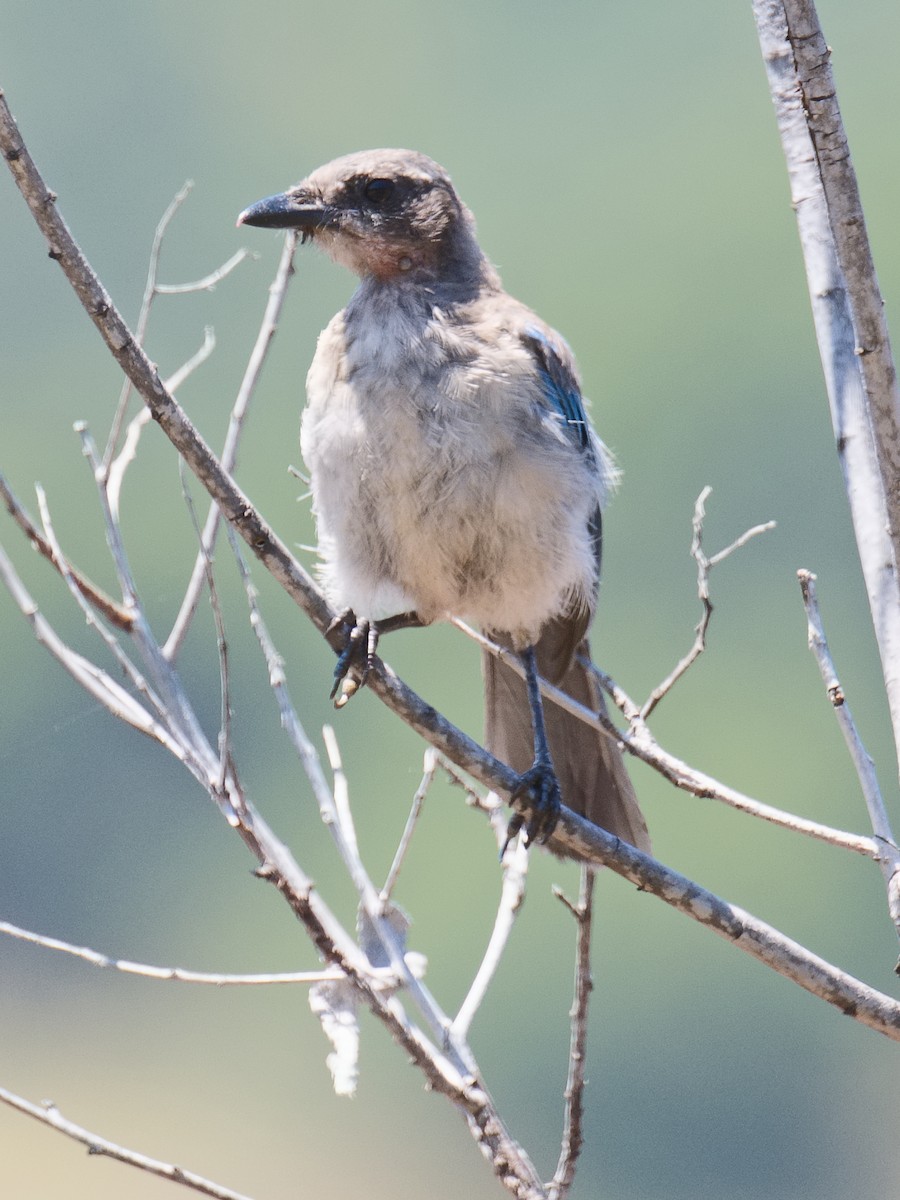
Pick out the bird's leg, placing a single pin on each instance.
(538, 786)
(360, 647)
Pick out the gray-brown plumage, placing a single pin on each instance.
(589, 766)
(453, 469)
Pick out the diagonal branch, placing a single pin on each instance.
(113, 612)
(639, 741)
(49, 1114)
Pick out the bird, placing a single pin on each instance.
(454, 472)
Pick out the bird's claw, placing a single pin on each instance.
(539, 789)
(357, 656)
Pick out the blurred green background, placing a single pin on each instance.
(623, 165)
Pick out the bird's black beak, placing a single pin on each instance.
(290, 210)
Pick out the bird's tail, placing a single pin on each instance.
(589, 765)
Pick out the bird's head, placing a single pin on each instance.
(390, 214)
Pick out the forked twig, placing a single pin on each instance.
(573, 1132)
(704, 566)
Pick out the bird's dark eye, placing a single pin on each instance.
(378, 191)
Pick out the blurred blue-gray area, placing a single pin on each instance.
(623, 165)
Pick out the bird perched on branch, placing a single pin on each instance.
(453, 469)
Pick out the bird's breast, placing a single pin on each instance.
(433, 483)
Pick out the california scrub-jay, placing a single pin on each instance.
(453, 470)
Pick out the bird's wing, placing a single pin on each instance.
(559, 381)
(562, 392)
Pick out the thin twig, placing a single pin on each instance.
(143, 317)
(704, 566)
(208, 282)
(113, 474)
(179, 713)
(172, 974)
(95, 681)
(226, 763)
(639, 741)
(512, 896)
(430, 766)
(341, 796)
(573, 1135)
(113, 612)
(268, 327)
(129, 670)
(889, 859)
(48, 1114)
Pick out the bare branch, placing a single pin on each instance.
(579, 839)
(96, 682)
(847, 308)
(271, 316)
(113, 474)
(143, 317)
(208, 282)
(113, 612)
(573, 1135)
(341, 798)
(226, 762)
(639, 741)
(430, 767)
(174, 974)
(49, 1114)
(512, 895)
(889, 858)
(704, 566)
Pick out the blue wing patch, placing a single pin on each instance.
(559, 384)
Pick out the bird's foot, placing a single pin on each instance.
(539, 789)
(356, 659)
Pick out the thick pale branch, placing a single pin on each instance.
(851, 242)
(847, 307)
